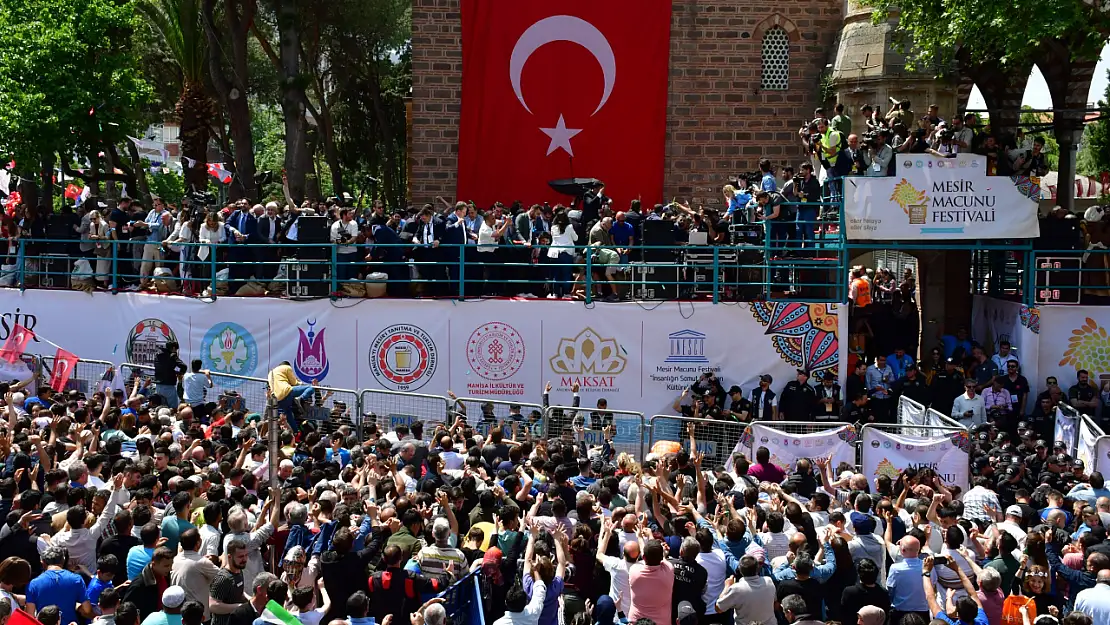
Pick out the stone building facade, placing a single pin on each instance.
(743, 78)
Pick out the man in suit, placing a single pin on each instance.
(524, 236)
(454, 245)
(427, 238)
(268, 250)
(240, 257)
(387, 250)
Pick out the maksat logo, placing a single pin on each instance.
(311, 362)
(589, 360)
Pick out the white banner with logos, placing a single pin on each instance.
(1102, 455)
(834, 445)
(934, 198)
(1086, 444)
(639, 360)
(910, 412)
(995, 320)
(889, 454)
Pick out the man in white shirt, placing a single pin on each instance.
(344, 234)
(752, 596)
(617, 568)
(1003, 356)
(81, 541)
(1012, 526)
(969, 408)
(1095, 602)
(194, 384)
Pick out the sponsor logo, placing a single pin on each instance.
(687, 347)
(146, 339)
(914, 202)
(228, 348)
(875, 444)
(797, 442)
(909, 447)
(886, 444)
(311, 362)
(763, 439)
(919, 164)
(403, 357)
(908, 164)
(589, 360)
(495, 351)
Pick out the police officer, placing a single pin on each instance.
(764, 402)
(947, 386)
(1009, 485)
(857, 410)
(913, 386)
(1039, 458)
(829, 400)
(738, 407)
(798, 398)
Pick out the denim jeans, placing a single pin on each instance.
(168, 392)
(562, 274)
(807, 223)
(301, 391)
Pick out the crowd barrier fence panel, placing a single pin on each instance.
(1067, 427)
(484, 414)
(934, 440)
(335, 407)
(716, 439)
(754, 438)
(910, 412)
(936, 418)
(1086, 443)
(628, 434)
(388, 409)
(463, 601)
(87, 376)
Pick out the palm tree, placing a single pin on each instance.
(178, 22)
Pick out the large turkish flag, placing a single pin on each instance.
(560, 90)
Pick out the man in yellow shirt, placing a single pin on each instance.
(289, 392)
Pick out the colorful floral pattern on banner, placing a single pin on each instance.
(804, 335)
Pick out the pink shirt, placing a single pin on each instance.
(992, 606)
(651, 588)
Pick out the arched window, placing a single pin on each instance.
(776, 59)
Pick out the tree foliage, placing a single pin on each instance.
(1006, 32)
(1094, 157)
(69, 79)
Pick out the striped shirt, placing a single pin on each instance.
(433, 560)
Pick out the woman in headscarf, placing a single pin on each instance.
(605, 612)
(871, 615)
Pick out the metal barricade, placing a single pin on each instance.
(628, 434)
(463, 600)
(88, 377)
(910, 412)
(335, 407)
(388, 409)
(483, 414)
(716, 439)
(884, 458)
(763, 434)
(939, 419)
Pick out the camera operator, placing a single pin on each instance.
(963, 134)
(1030, 162)
(872, 116)
(808, 191)
(945, 147)
(900, 113)
(778, 216)
(877, 156)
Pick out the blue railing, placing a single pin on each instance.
(805, 261)
(463, 600)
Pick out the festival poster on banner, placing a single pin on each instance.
(835, 445)
(563, 90)
(890, 454)
(935, 198)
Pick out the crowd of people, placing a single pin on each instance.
(129, 510)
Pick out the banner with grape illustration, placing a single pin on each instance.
(934, 198)
(888, 454)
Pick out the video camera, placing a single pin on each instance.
(200, 199)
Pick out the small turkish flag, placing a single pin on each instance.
(19, 617)
(72, 191)
(217, 171)
(64, 363)
(563, 90)
(16, 343)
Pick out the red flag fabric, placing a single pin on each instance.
(217, 171)
(16, 344)
(563, 90)
(64, 363)
(72, 191)
(19, 617)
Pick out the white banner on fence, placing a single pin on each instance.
(933, 198)
(910, 412)
(1102, 455)
(635, 359)
(1067, 430)
(890, 454)
(1085, 448)
(834, 444)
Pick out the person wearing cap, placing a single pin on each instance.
(170, 614)
(738, 407)
(798, 398)
(968, 408)
(763, 401)
(828, 399)
(686, 614)
(912, 385)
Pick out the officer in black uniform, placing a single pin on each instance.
(913, 386)
(829, 400)
(763, 402)
(1039, 458)
(1052, 475)
(857, 410)
(947, 386)
(1009, 484)
(798, 398)
(738, 407)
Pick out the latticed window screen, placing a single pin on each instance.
(776, 59)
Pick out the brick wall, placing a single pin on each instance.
(719, 121)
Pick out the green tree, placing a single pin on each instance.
(1094, 157)
(1040, 125)
(69, 83)
(178, 22)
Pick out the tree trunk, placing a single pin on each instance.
(195, 111)
(47, 182)
(386, 128)
(140, 174)
(233, 90)
(297, 159)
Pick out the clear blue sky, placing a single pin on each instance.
(1036, 91)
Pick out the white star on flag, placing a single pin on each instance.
(560, 136)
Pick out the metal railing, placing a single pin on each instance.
(628, 427)
(388, 409)
(518, 417)
(888, 463)
(716, 439)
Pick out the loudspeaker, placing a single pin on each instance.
(657, 232)
(819, 283)
(307, 280)
(655, 282)
(312, 229)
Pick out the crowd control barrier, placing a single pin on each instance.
(1067, 427)
(628, 427)
(484, 414)
(88, 377)
(388, 409)
(889, 449)
(790, 441)
(463, 601)
(716, 439)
